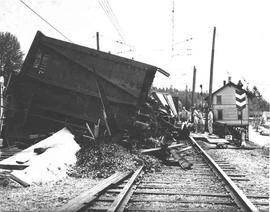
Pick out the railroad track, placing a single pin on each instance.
(258, 197)
(206, 187)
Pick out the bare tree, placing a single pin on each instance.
(11, 56)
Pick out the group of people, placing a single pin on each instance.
(196, 117)
(198, 121)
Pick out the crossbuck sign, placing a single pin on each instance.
(240, 99)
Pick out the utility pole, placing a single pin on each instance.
(193, 86)
(186, 96)
(211, 69)
(97, 35)
(1, 100)
(211, 79)
(201, 94)
(192, 95)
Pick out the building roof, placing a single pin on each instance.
(224, 86)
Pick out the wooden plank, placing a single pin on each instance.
(239, 179)
(173, 187)
(119, 199)
(229, 169)
(162, 192)
(80, 201)
(261, 203)
(179, 174)
(257, 196)
(182, 209)
(217, 141)
(143, 151)
(13, 166)
(18, 180)
(162, 209)
(153, 199)
(236, 175)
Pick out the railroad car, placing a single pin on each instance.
(63, 83)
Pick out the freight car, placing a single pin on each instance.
(64, 84)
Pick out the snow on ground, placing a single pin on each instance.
(256, 138)
(50, 165)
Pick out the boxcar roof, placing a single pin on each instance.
(41, 38)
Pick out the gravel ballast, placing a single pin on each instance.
(52, 195)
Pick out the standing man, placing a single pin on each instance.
(196, 120)
(201, 122)
(210, 121)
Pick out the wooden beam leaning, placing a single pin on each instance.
(116, 205)
(17, 180)
(143, 151)
(80, 201)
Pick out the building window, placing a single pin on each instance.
(219, 100)
(239, 114)
(219, 115)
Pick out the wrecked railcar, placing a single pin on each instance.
(59, 85)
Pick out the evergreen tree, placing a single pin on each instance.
(11, 56)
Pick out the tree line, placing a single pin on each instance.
(256, 104)
(11, 60)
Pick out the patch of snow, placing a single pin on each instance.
(50, 165)
(257, 138)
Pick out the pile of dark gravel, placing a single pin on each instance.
(105, 159)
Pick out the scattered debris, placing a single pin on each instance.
(184, 163)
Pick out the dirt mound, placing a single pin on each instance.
(105, 159)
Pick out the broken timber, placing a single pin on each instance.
(184, 163)
(13, 166)
(145, 151)
(8, 175)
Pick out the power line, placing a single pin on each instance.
(45, 21)
(115, 19)
(111, 16)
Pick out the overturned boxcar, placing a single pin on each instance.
(57, 86)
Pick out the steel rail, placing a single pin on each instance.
(240, 198)
(81, 201)
(122, 199)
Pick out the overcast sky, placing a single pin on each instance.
(150, 30)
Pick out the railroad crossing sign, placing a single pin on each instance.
(240, 99)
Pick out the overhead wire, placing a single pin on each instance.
(62, 34)
(114, 17)
(110, 15)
